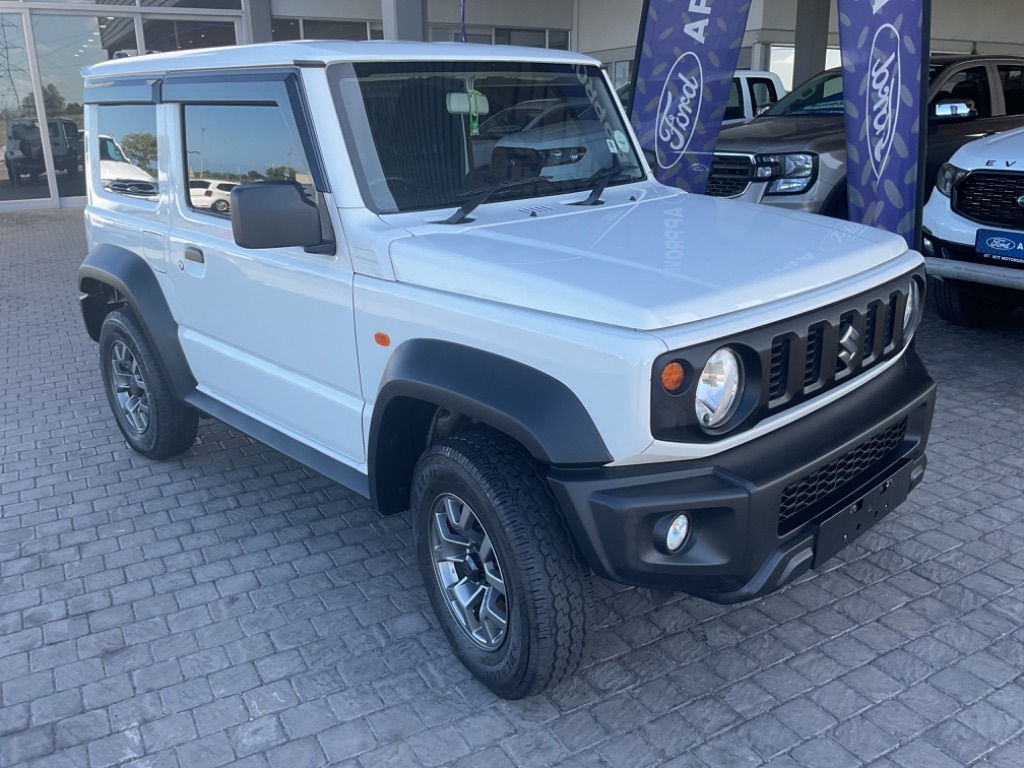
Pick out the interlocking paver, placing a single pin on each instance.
(231, 607)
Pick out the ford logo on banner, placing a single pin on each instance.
(686, 55)
(883, 96)
(678, 109)
(884, 87)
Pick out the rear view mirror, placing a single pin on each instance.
(273, 214)
(955, 109)
(468, 103)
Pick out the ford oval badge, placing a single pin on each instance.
(883, 96)
(678, 108)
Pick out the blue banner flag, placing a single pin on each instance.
(686, 57)
(883, 50)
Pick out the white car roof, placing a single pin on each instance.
(326, 52)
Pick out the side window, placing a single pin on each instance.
(230, 144)
(969, 84)
(762, 93)
(126, 148)
(734, 106)
(1011, 79)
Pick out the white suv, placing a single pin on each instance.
(974, 231)
(559, 376)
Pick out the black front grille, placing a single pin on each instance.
(806, 498)
(991, 199)
(790, 361)
(828, 351)
(730, 175)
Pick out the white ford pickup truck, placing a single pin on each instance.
(557, 365)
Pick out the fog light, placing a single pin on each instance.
(677, 532)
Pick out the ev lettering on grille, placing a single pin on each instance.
(883, 96)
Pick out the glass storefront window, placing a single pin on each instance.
(214, 5)
(185, 34)
(20, 137)
(65, 44)
(321, 29)
(284, 29)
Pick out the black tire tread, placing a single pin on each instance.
(959, 304)
(549, 561)
(176, 423)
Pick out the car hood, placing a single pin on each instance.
(774, 134)
(644, 265)
(1001, 152)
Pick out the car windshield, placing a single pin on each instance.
(821, 95)
(416, 131)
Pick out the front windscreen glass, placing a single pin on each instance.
(426, 135)
(821, 95)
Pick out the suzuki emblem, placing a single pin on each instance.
(847, 347)
(1020, 201)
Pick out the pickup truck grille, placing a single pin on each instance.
(991, 199)
(730, 175)
(802, 500)
(792, 361)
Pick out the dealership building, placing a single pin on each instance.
(45, 43)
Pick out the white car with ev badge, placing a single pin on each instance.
(974, 231)
(559, 372)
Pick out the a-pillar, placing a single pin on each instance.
(404, 19)
(812, 17)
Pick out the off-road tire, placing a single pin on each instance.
(961, 304)
(546, 582)
(151, 420)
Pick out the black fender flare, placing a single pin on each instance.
(131, 278)
(533, 408)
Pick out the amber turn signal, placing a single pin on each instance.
(382, 338)
(672, 376)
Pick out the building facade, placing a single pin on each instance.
(45, 43)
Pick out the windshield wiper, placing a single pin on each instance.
(478, 197)
(601, 179)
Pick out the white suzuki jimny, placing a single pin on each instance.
(560, 366)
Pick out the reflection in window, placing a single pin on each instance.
(318, 29)
(19, 122)
(126, 147)
(230, 144)
(64, 44)
(186, 34)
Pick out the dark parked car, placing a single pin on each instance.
(802, 138)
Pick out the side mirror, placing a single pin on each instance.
(273, 214)
(954, 110)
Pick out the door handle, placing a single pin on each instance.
(194, 254)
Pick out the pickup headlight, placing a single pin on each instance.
(719, 387)
(949, 175)
(787, 174)
(563, 155)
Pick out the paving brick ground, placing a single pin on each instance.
(232, 607)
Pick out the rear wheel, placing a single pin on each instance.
(499, 564)
(151, 420)
(963, 304)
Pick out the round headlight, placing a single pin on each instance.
(718, 388)
(914, 310)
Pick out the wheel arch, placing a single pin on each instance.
(110, 277)
(536, 410)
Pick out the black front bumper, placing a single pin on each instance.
(851, 462)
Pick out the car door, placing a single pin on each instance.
(980, 83)
(268, 333)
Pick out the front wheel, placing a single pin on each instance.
(151, 420)
(962, 304)
(502, 572)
